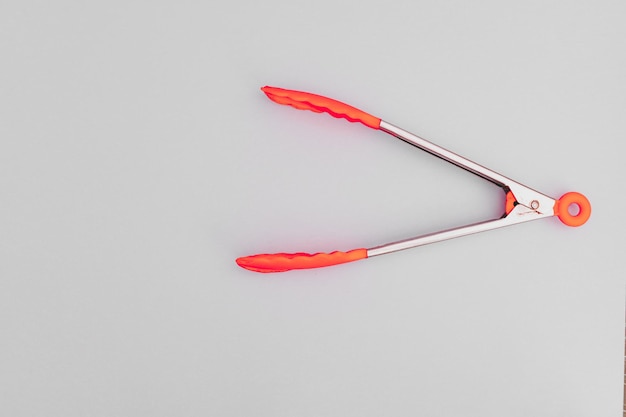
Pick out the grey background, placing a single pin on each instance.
(138, 159)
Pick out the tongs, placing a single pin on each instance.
(522, 204)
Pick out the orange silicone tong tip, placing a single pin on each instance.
(281, 262)
(318, 104)
(248, 262)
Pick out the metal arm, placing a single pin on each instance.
(519, 214)
(523, 194)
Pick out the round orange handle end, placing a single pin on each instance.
(562, 205)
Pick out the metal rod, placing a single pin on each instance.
(518, 215)
(445, 154)
(523, 194)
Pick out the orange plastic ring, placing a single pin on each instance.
(561, 209)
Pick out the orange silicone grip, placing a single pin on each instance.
(561, 209)
(281, 262)
(307, 101)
